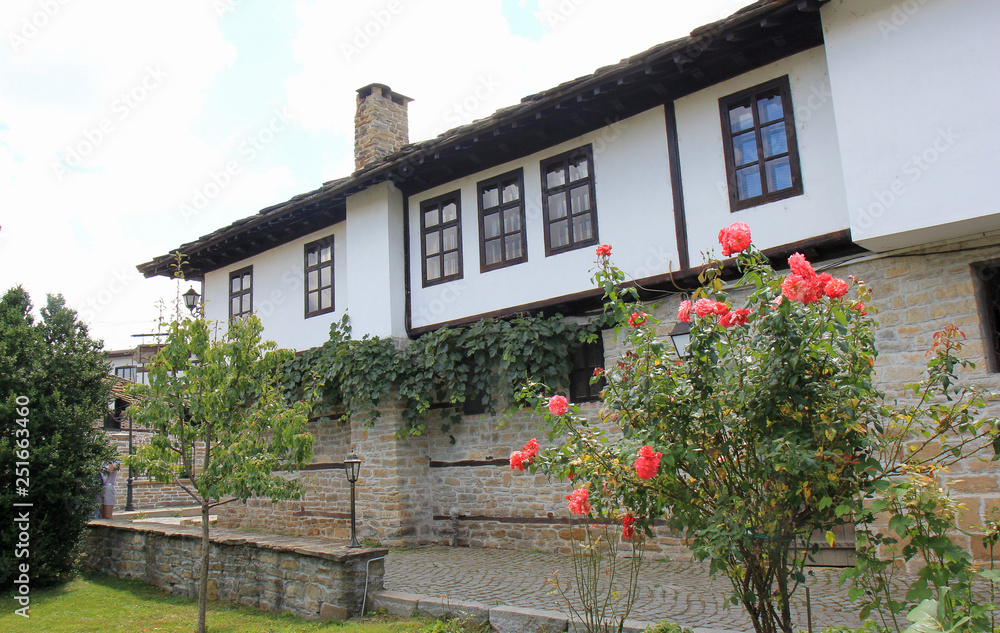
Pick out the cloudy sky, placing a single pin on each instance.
(119, 118)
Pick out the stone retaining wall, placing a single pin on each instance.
(147, 494)
(411, 488)
(308, 577)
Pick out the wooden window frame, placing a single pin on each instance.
(318, 246)
(781, 87)
(565, 158)
(584, 358)
(439, 228)
(243, 291)
(502, 208)
(986, 284)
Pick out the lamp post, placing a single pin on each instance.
(352, 467)
(680, 336)
(191, 299)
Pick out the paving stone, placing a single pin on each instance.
(397, 602)
(679, 590)
(444, 608)
(524, 620)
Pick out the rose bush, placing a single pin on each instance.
(769, 432)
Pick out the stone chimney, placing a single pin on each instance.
(380, 124)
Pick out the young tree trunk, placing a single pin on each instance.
(203, 576)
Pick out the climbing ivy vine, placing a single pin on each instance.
(490, 360)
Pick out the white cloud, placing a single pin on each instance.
(136, 87)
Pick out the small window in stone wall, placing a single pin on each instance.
(986, 277)
(586, 358)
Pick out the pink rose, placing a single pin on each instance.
(720, 307)
(800, 265)
(578, 503)
(836, 288)
(734, 238)
(684, 312)
(647, 463)
(704, 307)
(604, 250)
(558, 405)
(530, 450)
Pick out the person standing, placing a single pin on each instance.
(110, 476)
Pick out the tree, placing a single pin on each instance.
(222, 426)
(53, 387)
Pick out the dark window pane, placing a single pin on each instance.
(748, 182)
(311, 258)
(555, 177)
(511, 191)
(431, 217)
(779, 174)
(579, 169)
(740, 118)
(557, 206)
(769, 108)
(449, 212)
(434, 267)
(511, 220)
(450, 264)
(449, 239)
(433, 243)
(491, 197)
(774, 140)
(745, 148)
(491, 225)
(559, 233)
(580, 199)
(514, 250)
(312, 280)
(494, 253)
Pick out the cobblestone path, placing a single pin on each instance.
(678, 590)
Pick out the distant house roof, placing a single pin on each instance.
(756, 35)
(119, 386)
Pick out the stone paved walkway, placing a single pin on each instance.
(678, 590)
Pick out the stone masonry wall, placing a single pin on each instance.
(410, 489)
(307, 577)
(147, 493)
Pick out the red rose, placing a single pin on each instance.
(647, 463)
(637, 319)
(604, 250)
(628, 521)
(734, 238)
(800, 265)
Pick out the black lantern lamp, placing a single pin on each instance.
(191, 299)
(352, 467)
(680, 336)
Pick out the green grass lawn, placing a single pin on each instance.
(103, 604)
